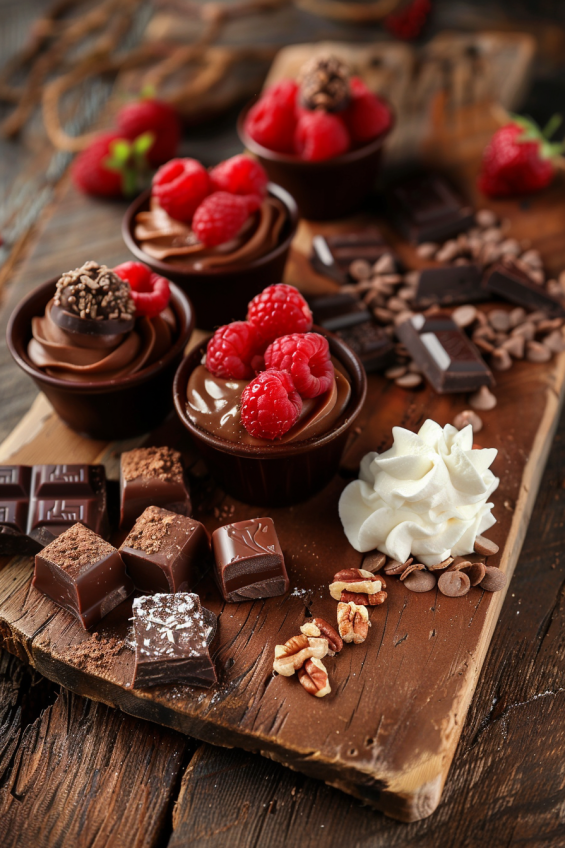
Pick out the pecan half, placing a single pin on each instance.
(293, 654)
(353, 622)
(364, 600)
(354, 580)
(314, 677)
(321, 627)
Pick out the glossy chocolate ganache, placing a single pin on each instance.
(171, 241)
(90, 333)
(213, 404)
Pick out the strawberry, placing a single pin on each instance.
(111, 166)
(149, 115)
(519, 158)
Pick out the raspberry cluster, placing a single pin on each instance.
(218, 202)
(321, 117)
(275, 349)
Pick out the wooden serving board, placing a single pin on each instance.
(388, 731)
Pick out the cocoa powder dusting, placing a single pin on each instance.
(77, 548)
(163, 463)
(93, 653)
(151, 529)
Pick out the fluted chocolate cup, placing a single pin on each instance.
(221, 294)
(111, 409)
(277, 474)
(325, 190)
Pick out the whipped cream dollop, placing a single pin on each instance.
(426, 497)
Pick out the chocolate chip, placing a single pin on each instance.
(462, 419)
(385, 264)
(517, 316)
(464, 316)
(494, 579)
(441, 565)
(538, 352)
(360, 269)
(555, 341)
(427, 249)
(485, 218)
(395, 372)
(393, 566)
(483, 399)
(475, 572)
(454, 584)
(499, 320)
(501, 359)
(409, 381)
(373, 561)
(485, 546)
(415, 566)
(515, 346)
(527, 329)
(420, 581)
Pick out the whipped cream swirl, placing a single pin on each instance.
(426, 497)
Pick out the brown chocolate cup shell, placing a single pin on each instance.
(323, 190)
(220, 295)
(276, 474)
(112, 409)
(75, 324)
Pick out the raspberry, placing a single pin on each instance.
(180, 186)
(306, 357)
(221, 216)
(150, 292)
(155, 117)
(104, 167)
(240, 175)
(270, 405)
(271, 122)
(284, 92)
(320, 135)
(234, 350)
(278, 311)
(366, 116)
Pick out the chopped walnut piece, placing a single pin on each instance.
(354, 580)
(353, 622)
(293, 654)
(314, 677)
(310, 629)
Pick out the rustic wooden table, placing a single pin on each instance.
(75, 772)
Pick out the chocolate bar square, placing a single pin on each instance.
(172, 634)
(447, 357)
(337, 311)
(513, 284)
(332, 255)
(151, 477)
(426, 208)
(165, 552)
(450, 285)
(15, 483)
(249, 562)
(82, 573)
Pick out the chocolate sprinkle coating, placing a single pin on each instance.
(324, 84)
(95, 292)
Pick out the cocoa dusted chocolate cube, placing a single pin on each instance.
(172, 637)
(165, 552)
(249, 562)
(83, 573)
(151, 477)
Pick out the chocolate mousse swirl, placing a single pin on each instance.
(171, 241)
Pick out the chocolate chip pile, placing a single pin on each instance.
(458, 574)
(94, 291)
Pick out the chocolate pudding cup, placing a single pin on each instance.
(276, 474)
(325, 190)
(111, 409)
(220, 295)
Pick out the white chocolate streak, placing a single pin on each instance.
(427, 496)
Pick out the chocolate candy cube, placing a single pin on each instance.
(172, 634)
(151, 477)
(426, 208)
(450, 285)
(83, 573)
(165, 552)
(332, 255)
(249, 562)
(61, 495)
(15, 483)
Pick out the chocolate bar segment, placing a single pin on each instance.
(450, 285)
(172, 634)
(333, 254)
(508, 281)
(165, 552)
(151, 477)
(447, 357)
(349, 319)
(337, 311)
(249, 562)
(82, 573)
(15, 484)
(61, 495)
(426, 208)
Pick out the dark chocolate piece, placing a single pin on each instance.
(426, 208)
(447, 357)
(172, 634)
(337, 311)
(61, 495)
(371, 343)
(83, 573)
(151, 477)
(511, 283)
(165, 552)
(15, 484)
(249, 562)
(450, 285)
(332, 255)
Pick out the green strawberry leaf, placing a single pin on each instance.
(532, 132)
(147, 92)
(143, 143)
